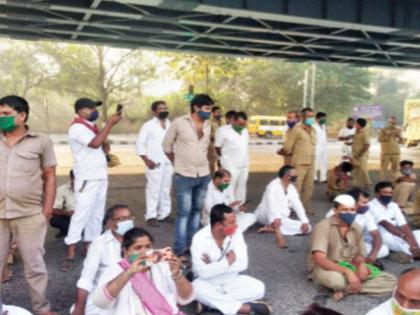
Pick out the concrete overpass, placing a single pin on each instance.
(361, 32)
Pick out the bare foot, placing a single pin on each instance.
(337, 296)
(266, 229)
(7, 274)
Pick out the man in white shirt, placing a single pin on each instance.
(91, 175)
(219, 191)
(158, 167)
(395, 232)
(405, 298)
(346, 135)
(321, 152)
(105, 251)
(232, 146)
(279, 199)
(371, 236)
(219, 253)
(63, 207)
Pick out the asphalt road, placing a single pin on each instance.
(283, 271)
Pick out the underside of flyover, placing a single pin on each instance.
(361, 32)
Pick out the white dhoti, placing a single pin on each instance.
(292, 227)
(90, 199)
(238, 181)
(397, 244)
(383, 251)
(228, 295)
(158, 191)
(321, 164)
(245, 220)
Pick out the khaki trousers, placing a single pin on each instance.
(305, 184)
(336, 281)
(361, 176)
(386, 159)
(417, 203)
(29, 234)
(402, 193)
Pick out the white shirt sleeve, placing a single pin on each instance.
(377, 214)
(81, 134)
(90, 266)
(208, 201)
(141, 143)
(219, 137)
(273, 204)
(399, 217)
(370, 222)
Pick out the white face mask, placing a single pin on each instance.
(397, 309)
(124, 226)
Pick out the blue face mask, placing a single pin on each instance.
(386, 200)
(124, 226)
(204, 115)
(363, 210)
(347, 217)
(93, 116)
(291, 124)
(309, 121)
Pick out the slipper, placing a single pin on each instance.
(68, 264)
(265, 229)
(282, 246)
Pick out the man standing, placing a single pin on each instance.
(215, 123)
(91, 175)
(300, 144)
(390, 138)
(232, 146)
(346, 135)
(321, 151)
(186, 144)
(292, 120)
(360, 153)
(63, 207)
(158, 167)
(219, 253)
(27, 192)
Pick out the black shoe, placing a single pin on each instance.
(168, 219)
(378, 264)
(153, 223)
(260, 308)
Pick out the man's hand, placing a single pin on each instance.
(231, 257)
(304, 228)
(47, 213)
(69, 213)
(280, 151)
(206, 259)
(175, 265)
(242, 208)
(78, 310)
(114, 119)
(150, 164)
(370, 259)
(354, 281)
(235, 204)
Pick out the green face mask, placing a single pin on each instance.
(238, 128)
(223, 186)
(322, 121)
(7, 123)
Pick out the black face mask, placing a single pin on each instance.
(292, 179)
(163, 115)
(385, 199)
(350, 127)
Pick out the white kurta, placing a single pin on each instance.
(105, 251)
(346, 132)
(15, 310)
(235, 157)
(368, 225)
(128, 303)
(393, 214)
(218, 284)
(159, 179)
(277, 203)
(321, 152)
(382, 309)
(215, 196)
(90, 185)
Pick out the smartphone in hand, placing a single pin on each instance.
(119, 109)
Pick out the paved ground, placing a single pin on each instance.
(283, 271)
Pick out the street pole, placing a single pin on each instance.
(313, 86)
(305, 88)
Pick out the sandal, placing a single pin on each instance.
(68, 264)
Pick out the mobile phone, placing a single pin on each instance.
(119, 109)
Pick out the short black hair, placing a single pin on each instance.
(305, 110)
(201, 100)
(230, 114)
(132, 235)
(109, 214)
(362, 122)
(215, 108)
(346, 167)
(284, 170)
(221, 172)
(320, 115)
(382, 185)
(156, 104)
(217, 213)
(316, 309)
(406, 162)
(356, 192)
(18, 103)
(242, 115)
(71, 174)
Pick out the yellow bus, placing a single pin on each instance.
(266, 126)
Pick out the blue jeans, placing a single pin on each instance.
(190, 194)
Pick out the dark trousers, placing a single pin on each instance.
(60, 222)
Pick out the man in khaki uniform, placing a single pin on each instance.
(404, 182)
(338, 180)
(389, 138)
(215, 123)
(336, 258)
(292, 121)
(27, 192)
(300, 144)
(360, 152)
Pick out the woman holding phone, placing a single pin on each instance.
(144, 282)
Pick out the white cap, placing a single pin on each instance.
(345, 200)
